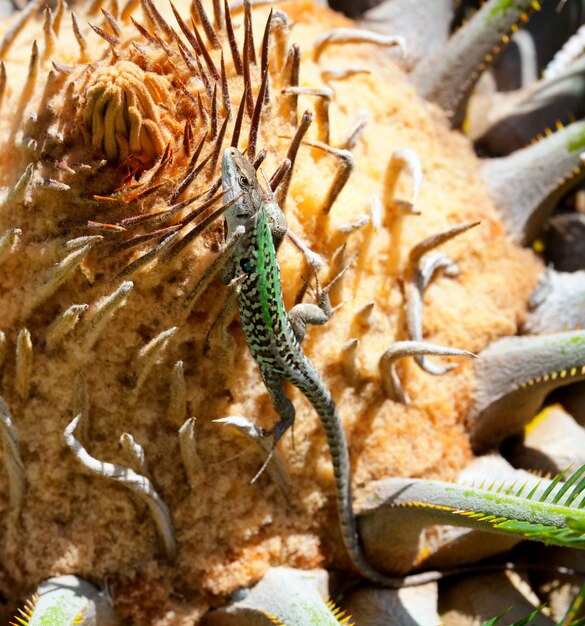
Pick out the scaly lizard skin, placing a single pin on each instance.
(274, 336)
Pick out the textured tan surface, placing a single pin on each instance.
(228, 532)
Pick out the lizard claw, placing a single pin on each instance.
(275, 433)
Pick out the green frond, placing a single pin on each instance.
(551, 511)
(561, 500)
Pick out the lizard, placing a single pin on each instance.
(273, 335)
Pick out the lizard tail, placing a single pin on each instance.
(322, 401)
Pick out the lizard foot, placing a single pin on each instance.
(275, 433)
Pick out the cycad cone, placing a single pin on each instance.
(125, 103)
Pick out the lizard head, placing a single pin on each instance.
(239, 176)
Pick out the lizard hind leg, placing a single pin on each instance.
(284, 408)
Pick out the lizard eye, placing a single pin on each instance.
(243, 181)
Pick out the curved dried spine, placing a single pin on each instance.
(9, 242)
(191, 459)
(390, 380)
(63, 324)
(329, 74)
(348, 358)
(433, 263)
(104, 310)
(111, 39)
(112, 22)
(403, 160)
(290, 78)
(414, 290)
(59, 274)
(81, 41)
(351, 35)
(291, 155)
(313, 258)
(18, 192)
(134, 453)
(449, 77)
(363, 315)
(346, 166)
(49, 33)
(58, 16)
(157, 19)
(324, 97)
(206, 23)
(148, 355)
(280, 32)
(79, 242)
(418, 276)
(431, 242)
(357, 131)
(151, 256)
(557, 303)
(27, 91)
(30, 9)
(527, 184)
(513, 377)
(351, 227)
(24, 363)
(276, 468)
(51, 183)
(338, 266)
(136, 483)
(11, 457)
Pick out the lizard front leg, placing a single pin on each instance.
(316, 314)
